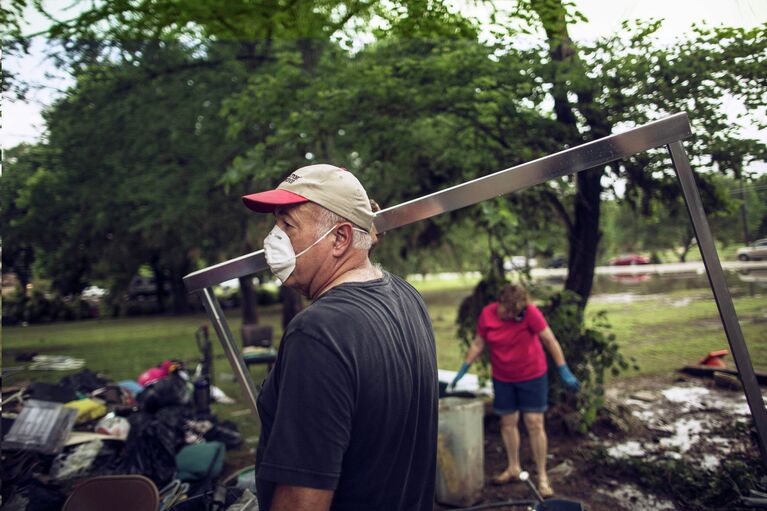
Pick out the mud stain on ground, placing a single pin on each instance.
(680, 418)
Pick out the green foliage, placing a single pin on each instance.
(591, 351)
(180, 108)
(40, 307)
(265, 295)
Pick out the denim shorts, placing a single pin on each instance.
(523, 396)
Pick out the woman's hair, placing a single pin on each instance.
(514, 298)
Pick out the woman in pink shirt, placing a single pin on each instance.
(515, 332)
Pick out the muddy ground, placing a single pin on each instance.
(689, 428)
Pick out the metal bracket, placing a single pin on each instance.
(668, 132)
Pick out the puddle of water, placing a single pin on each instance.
(635, 498)
(623, 298)
(682, 302)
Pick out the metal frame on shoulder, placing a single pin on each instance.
(669, 132)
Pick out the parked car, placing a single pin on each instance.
(629, 260)
(757, 250)
(94, 293)
(141, 288)
(558, 261)
(519, 262)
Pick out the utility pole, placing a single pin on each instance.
(743, 211)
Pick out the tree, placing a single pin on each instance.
(427, 105)
(21, 165)
(147, 196)
(628, 78)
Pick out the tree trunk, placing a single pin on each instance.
(743, 211)
(159, 280)
(249, 301)
(686, 246)
(292, 304)
(569, 75)
(585, 236)
(178, 289)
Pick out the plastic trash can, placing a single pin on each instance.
(460, 451)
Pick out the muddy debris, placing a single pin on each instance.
(689, 428)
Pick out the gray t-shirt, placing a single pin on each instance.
(351, 403)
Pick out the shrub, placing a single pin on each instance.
(40, 307)
(591, 351)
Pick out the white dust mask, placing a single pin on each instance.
(279, 252)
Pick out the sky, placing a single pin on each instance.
(23, 122)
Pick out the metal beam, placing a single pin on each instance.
(228, 342)
(593, 154)
(721, 292)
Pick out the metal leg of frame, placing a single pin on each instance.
(721, 292)
(241, 372)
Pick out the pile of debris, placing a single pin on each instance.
(61, 437)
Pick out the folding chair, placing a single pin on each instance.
(116, 493)
(257, 345)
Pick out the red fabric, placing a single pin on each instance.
(266, 202)
(516, 353)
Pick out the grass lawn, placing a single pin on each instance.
(663, 333)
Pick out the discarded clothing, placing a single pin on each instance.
(154, 374)
(87, 409)
(200, 462)
(50, 392)
(77, 462)
(84, 382)
(171, 391)
(134, 387)
(219, 396)
(114, 426)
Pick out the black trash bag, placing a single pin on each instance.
(226, 433)
(33, 495)
(17, 467)
(152, 444)
(85, 382)
(48, 392)
(176, 418)
(173, 390)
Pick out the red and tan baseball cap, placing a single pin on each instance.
(333, 188)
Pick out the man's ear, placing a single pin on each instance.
(344, 239)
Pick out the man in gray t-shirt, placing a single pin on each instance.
(349, 412)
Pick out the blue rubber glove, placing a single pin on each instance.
(461, 373)
(568, 377)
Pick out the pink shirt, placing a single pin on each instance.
(516, 353)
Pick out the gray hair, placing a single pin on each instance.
(326, 219)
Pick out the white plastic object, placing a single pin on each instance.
(460, 451)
